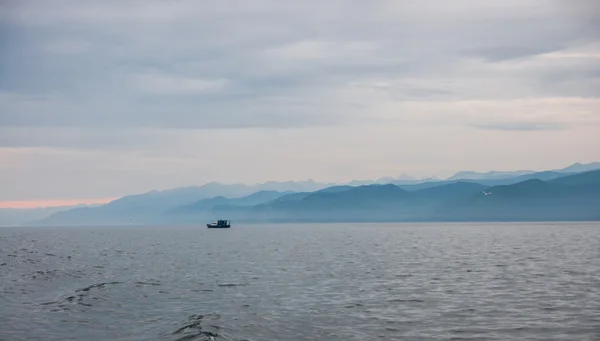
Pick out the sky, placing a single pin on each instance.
(100, 99)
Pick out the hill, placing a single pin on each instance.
(523, 175)
(548, 195)
(153, 208)
(572, 197)
(20, 216)
(208, 204)
(468, 175)
(588, 178)
(580, 168)
(364, 203)
(531, 200)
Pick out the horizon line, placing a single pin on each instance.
(71, 202)
(52, 203)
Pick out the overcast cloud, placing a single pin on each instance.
(106, 98)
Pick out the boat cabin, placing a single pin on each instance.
(220, 223)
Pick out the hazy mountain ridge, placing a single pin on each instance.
(534, 200)
(16, 216)
(468, 175)
(523, 174)
(434, 200)
(579, 167)
(151, 207)
(129, 211)
(461, 201)
(404, 178)
(252, 199)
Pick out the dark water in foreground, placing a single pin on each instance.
(302, 282)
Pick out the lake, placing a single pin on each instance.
(475, 281)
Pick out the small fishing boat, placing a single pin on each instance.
(219, 224)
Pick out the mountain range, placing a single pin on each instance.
(18, 216)
(572, 193)
(497, 175)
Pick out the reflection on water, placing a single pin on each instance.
(302, 282)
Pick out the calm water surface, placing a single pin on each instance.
(302, 282)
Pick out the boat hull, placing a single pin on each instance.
(217, 227)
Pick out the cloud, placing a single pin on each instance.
(101, 77)
(193, 111)
(177, 85)
(319, 50)
(83, 138)
(67, 46)
(508, 53)
(521, 126)
(531, 112)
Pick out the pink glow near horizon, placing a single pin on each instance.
(39, 203)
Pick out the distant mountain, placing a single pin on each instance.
(20, 216)
(335, 189)
(425, 183)
(354, 204)
(591, 178)
(294, 186)
(577, 198)
(355, 183)
(384, 180)
(547, 175)
(525, 189)
(363, 196)
(403, 178)
(209, 204)
(572, 197)
(503, 175)
(151, 207)
(155, 208)
(455, 190)
(468, 175)
(549, 195)
(578, 168)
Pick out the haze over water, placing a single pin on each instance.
(528, 281)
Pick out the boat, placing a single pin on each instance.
(219, 224)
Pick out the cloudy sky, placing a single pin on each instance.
(105, 98)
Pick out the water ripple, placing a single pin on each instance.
(302, 282)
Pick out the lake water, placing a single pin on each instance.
(533, 281)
